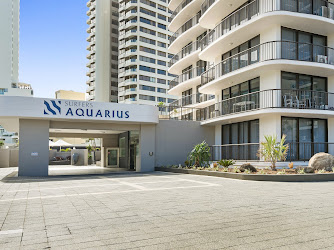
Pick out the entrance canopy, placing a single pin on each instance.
(37, 119)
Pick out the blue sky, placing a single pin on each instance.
(53, 45)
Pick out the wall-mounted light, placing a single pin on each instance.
(150, 153)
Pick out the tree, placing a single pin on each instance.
(200, 155)
(272, 150)
(1, 143)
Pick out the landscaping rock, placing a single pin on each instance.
(249, 167)
(307, 170)
(322, 161)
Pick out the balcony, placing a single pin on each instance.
(246, 22)
(186, 80)
(185, 34)
(284, 55)
(182, 13)
(196, 101)
(185, 57)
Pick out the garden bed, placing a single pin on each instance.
(290, 175)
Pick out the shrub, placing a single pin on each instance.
(247, 171)
(200, 155)
(301, 171)
(186, 163)
(225, 169)
(281, 172)
(226, 163)
(262, 171)
(1, 143)
(272, 150)
(321, 171)
(236, 169)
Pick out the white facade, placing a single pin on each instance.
(143, 58)
(270, 67)
(9, 50)
(103, 51)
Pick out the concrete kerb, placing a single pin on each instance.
(254, 177)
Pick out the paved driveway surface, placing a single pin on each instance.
(163, 211)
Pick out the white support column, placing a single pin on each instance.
(270, 124)
(34, 148)
(218, 135)
(146, 159)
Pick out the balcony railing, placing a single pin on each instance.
(271, 98)
(192, 99)
(187, 50)
(206, 5)
(265, 99)
(298, 151)
(183, 4)
(275, 50)
(192, 73)
(259, 7)
(189, 24)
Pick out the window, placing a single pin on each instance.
(170, 55)
(160, 90)
(162, 81)
(3, 91)
(148, 50)
(162, 26)
(163, 63)
(303, 46)
(146, 78)
(163, 8)
(147, 97)
(171, 100)
(147, 21)
(160, 53)
(241, 133)
(161, 99)
(148, 69)
(162, 17)
(305, 136)
(232, 62)
(161, 35)
(147, 12)
(161, 72)
(150, 3)
(161, 44)
(147, 88)
(147, 40)
(148, 31)
(147, 59)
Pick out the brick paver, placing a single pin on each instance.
(163, 211)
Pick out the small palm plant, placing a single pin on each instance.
(200, 155)
(161, 106)
(273, 150)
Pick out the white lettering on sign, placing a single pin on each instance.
(34, 154)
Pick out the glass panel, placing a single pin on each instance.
(304, 95)
(319, 8)
(234, 134)
(289, 5)
(244, 88)
(289, 83)
(255, 51)
(235, 91)
(243, 57)
(289, 48)
(254, 85)
(319, 136)
(319, 49)
(253, 138)
(305, 137)
(235, 59)
(320, 97)
(304, 46)
(226, 63)
(112, 157)
(305, 6)
(289, 128)
(226, 151)
(122, 147)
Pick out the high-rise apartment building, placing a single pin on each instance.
(9, 50)
(270, 66)
(102, 84)
(143, 56)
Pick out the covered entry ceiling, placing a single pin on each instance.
(85, 131)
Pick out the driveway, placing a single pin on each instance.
(163, 211)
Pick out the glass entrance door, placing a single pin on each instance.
(113, 157)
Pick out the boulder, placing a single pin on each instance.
(249, 167)
(321, 161)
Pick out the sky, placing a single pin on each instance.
(53, 45)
